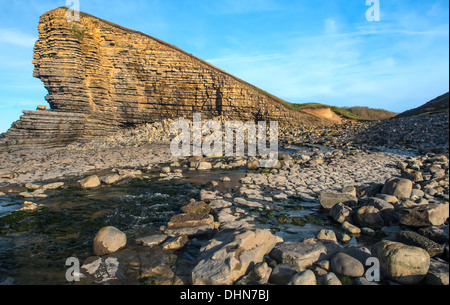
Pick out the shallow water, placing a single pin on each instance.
(35, 245)
(33, 248)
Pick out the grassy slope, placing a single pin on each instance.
(343, 112)
(371, 114)
(439, 104)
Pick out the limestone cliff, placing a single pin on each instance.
(101, 77)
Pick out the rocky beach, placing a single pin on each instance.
(316, 217)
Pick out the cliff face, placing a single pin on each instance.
(102, 77)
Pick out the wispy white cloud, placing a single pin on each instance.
(16, 37)
(380, 66)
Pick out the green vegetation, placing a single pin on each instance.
(437, 105)
(345, 113)
(371, 114)
(15, 222)
(78, 34)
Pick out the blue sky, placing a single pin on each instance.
(322, 51)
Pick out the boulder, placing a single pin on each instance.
(219, 204)
(350, 228)
(282, 273)
(303, 254)
(89, 182)
(341, 213)
(329, 200)
(175, 243)
(369, 216)
(306, 278)
(110, 178)
(433, 214)
(259, 275)
(203, 165)
(109, 240)
(398, 187)
(199, 207)
(402, 263)
(344, 264)
(151, 240)
(229, 255)
(253, 165)
(326, 235)
(331, 279)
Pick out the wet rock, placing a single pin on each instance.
(130, 267)
(402, 263)
(326, 235)
(175, 243)
(198, 207)
(110, 179)
(109, 240)
(53, 186)
(190, 220)
(151, 240)
(207, 195)
(219, 204)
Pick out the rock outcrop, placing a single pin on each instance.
(102, 77)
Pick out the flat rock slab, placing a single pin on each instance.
(433, 214)
(303, 254)
(190, 220)
(228, 256)
(152, 240)
(328, 200)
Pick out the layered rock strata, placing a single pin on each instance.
(102, 77)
